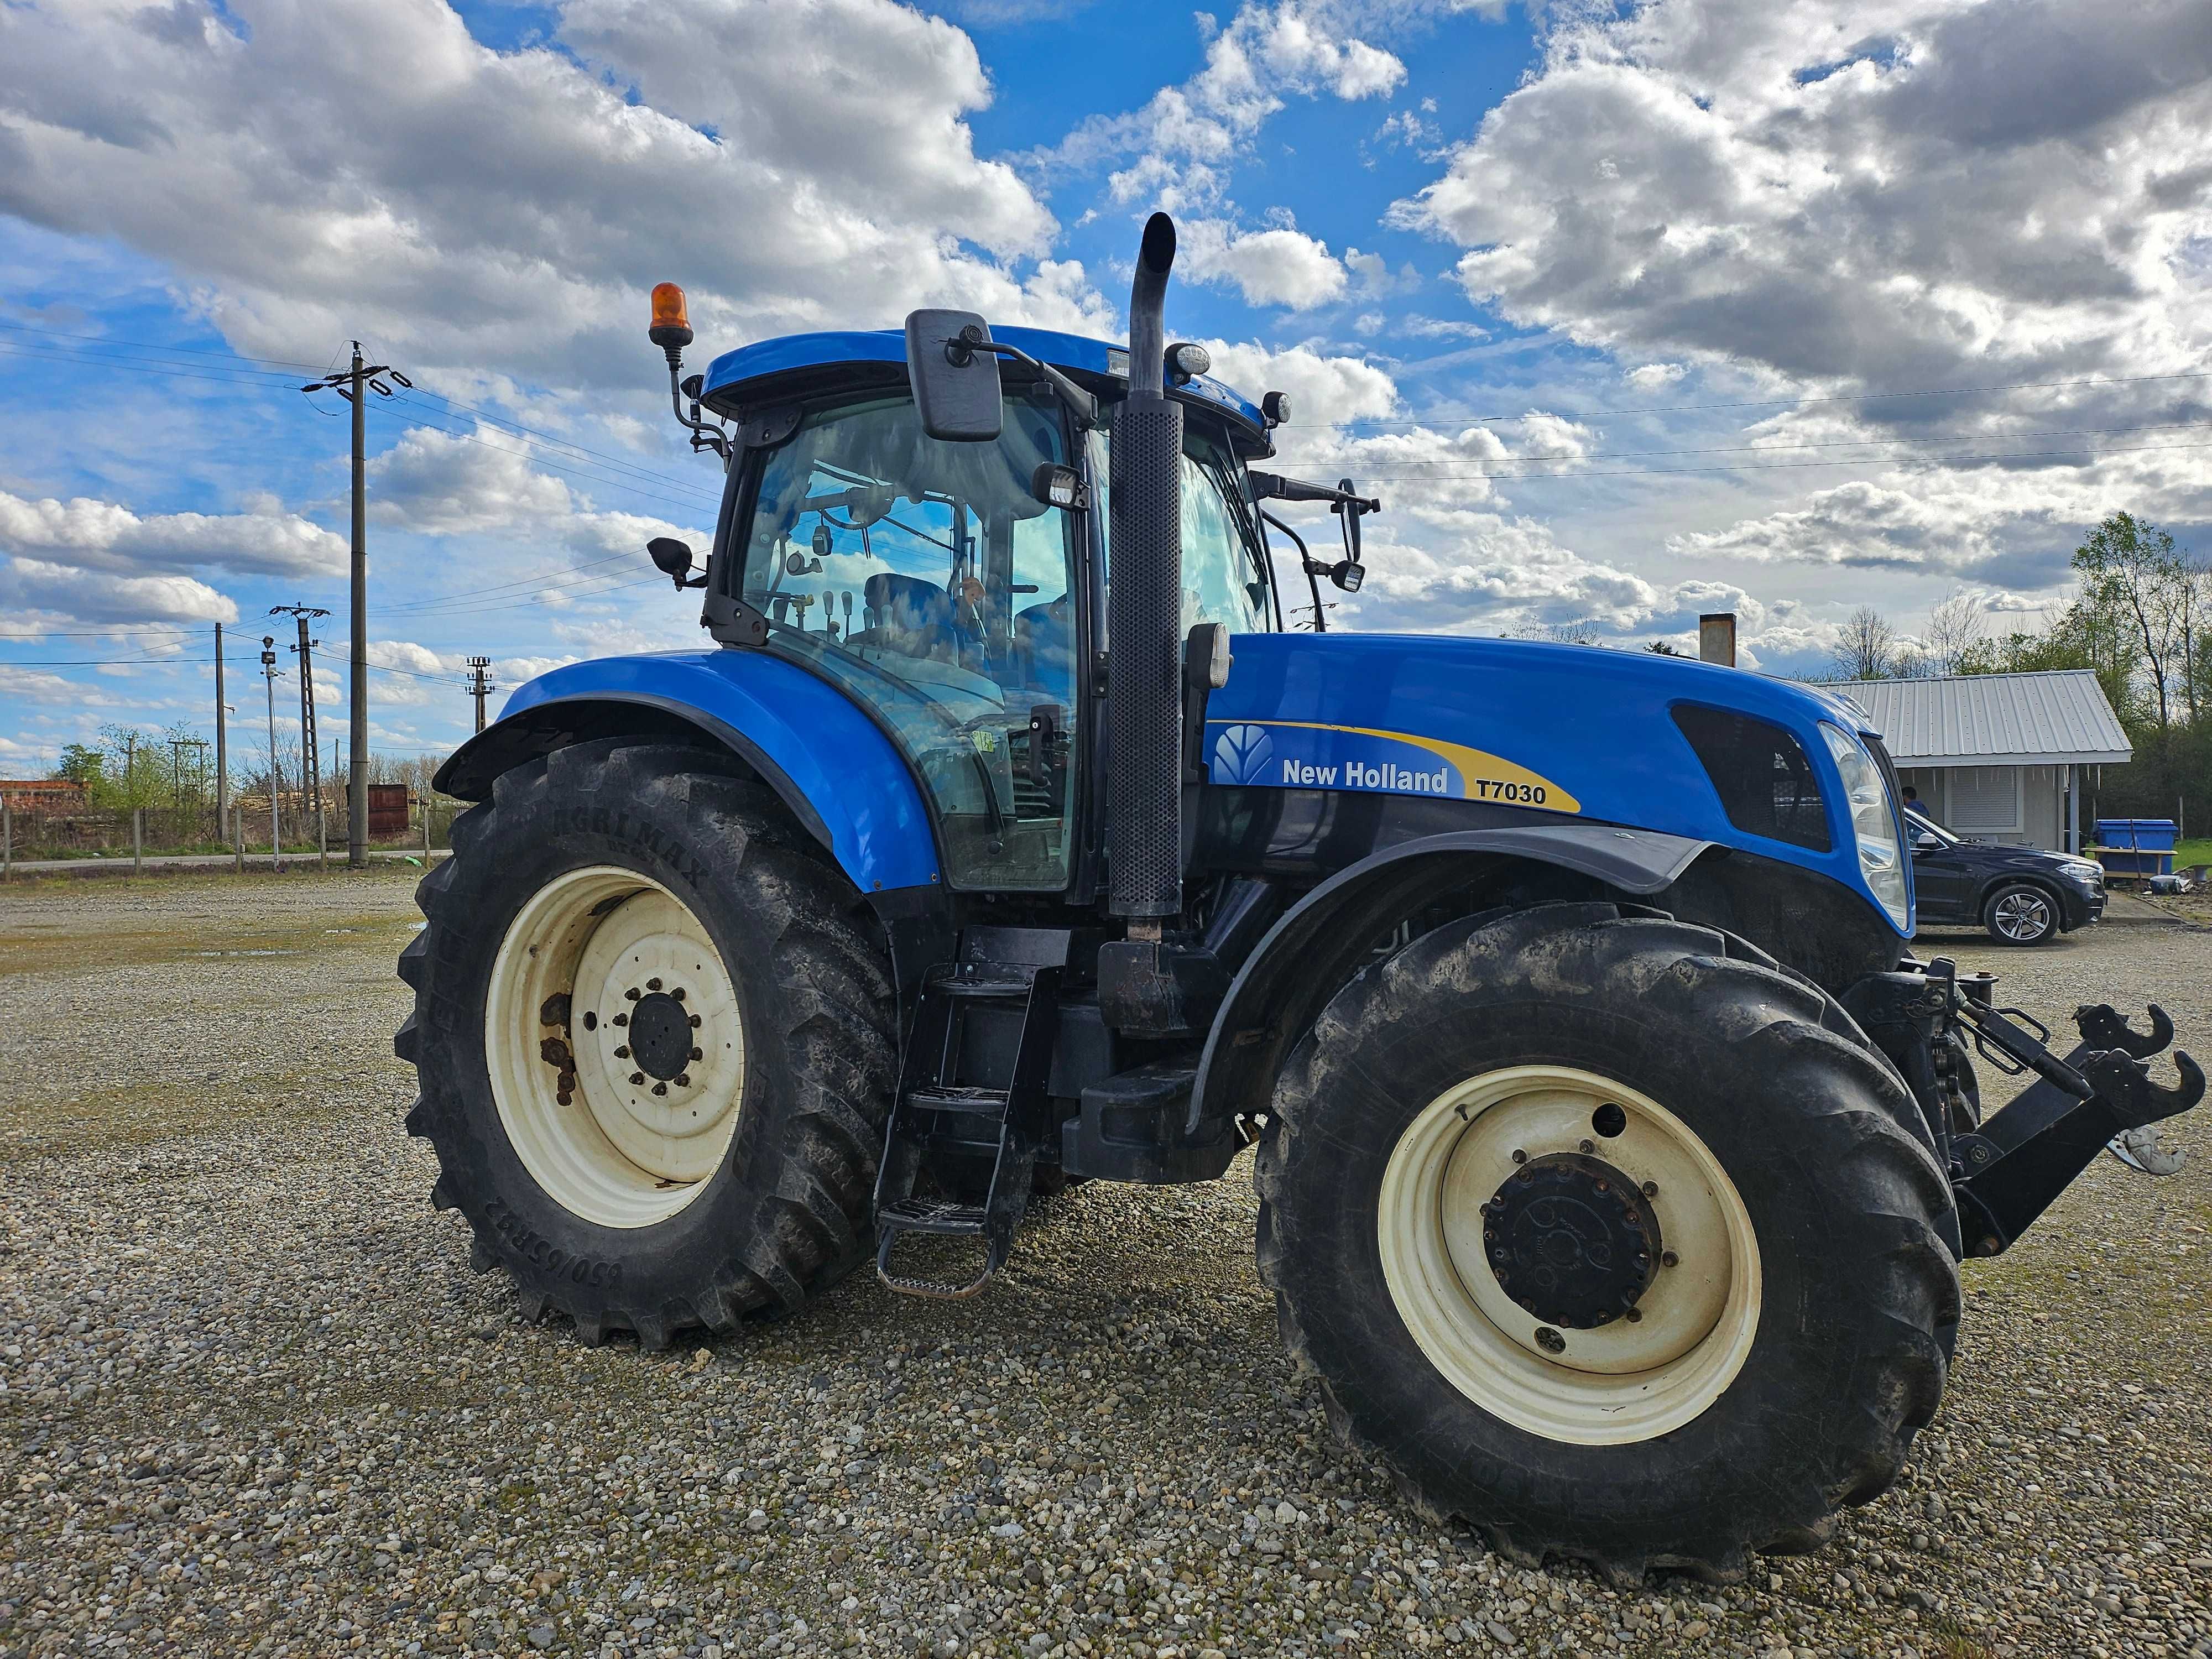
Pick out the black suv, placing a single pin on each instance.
(2023, 894)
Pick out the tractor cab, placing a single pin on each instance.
(956, 589)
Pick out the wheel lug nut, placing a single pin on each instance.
(1636, 1315)
(631, 995)
(623, 1052)
(1668, 1259)
(660, 1088)
(695, 1022)
(677, 993)
(684, 1079)
(638, 1077)
(622, 1020)
(652, 984)
(698, 1054)
(1520, 1157)
(1588, 1146)
(1650, 1189)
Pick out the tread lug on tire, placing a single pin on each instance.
(625, 1209)
(1687, 1109)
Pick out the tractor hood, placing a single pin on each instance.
(1573, 732)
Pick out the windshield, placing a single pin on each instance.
(1223, 580)
(924, 578)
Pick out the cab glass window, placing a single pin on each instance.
(1223, 579)
(924, 579)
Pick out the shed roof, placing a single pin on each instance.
(1994, 719)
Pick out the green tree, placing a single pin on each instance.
(2138, 583)
(81, 763)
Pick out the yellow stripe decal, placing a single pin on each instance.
(1483, 776)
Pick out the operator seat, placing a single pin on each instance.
(1044, 645)
(913, 617)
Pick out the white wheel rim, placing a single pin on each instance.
(628, 1146)
(2022, 915)
(1608, 1385)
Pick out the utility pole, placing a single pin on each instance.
(311, 747)
(354, 383)
(269, 675)
(221, 743)
(480, 688)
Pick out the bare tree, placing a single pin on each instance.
(1866, 646)
(1581, 630)
(1956, 629)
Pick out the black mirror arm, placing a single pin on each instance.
(1314, 568)
(1266, 485)
(1081, 403)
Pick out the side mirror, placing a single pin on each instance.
(955, 387)
(671, 557)
(1927, 842)
(1347, 575)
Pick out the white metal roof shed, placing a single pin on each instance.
(2059, 718)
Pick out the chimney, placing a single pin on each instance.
(1717, 638)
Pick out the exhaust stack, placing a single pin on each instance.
(1144, 614)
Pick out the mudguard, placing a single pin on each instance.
(1309, 954)
(825, 759)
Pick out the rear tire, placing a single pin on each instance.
(1777, 1368)
(2021, 913)
(715, 1155)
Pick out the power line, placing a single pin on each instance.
(1795, 403)
(1784, 466)
(149, 345)
(278, 371)
(1763, 449)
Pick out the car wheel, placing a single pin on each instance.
(2020, 914)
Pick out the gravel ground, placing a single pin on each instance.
(252, 1400)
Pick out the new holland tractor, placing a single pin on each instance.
(1616, 1158)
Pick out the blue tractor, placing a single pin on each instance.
(1615, 1156)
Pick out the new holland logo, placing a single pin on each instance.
(1240, 754)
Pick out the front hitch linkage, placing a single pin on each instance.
(2011, 1167)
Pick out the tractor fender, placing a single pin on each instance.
(1307, 956)
(827, 761)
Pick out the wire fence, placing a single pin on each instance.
(40, 833)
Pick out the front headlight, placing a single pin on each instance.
(2082, 870)
(1873, 825)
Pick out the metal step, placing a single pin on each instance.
(934, 1215)
(982, 1103)
(991, 1018)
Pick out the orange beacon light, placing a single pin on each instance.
(671, 327)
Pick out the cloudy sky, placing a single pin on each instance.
(1777, 305)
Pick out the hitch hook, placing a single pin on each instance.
(2122, 1084)
(2102, 1026)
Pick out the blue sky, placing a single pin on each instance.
(1777, 305)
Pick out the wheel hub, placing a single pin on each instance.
(660, 1034)
(1570, 1239)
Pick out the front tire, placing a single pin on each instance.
(655, 1038)
(1723, 1292)
(2021, 913)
